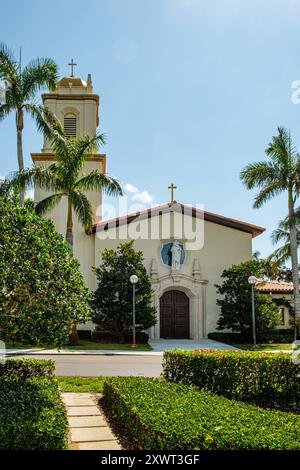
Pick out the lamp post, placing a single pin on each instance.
(252, 281)
(134, 280)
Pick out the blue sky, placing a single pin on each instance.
(190, 90)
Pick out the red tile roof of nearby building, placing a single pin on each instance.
(275, 287)
(255, 230)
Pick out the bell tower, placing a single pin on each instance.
(77, 107)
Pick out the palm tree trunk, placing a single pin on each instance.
(20, 127)
(69, 232)
(73, 335)
(294, 258)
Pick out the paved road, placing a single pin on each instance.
(92, 366)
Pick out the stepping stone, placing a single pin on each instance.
(86, 421)
(91, 434)
(79, 401)
(77, 395)
(83, 411)
(102, 445)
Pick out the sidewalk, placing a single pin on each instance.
(158, 346)
(81, 352)
(88, 428)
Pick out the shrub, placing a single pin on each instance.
(228, 338)
(103, 337)
(164, 415)
(32, 415)
(273, 336)
(112, 300)
(261, 378)
(42, 291)
(235, 301)
(27, 368)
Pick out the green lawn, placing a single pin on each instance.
(81, 384)
(266, 347)
(84, 345)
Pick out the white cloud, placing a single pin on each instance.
(144, 197)
(137, 195)
(130, 188)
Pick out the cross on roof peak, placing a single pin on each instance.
(72, 65)
(172, 187)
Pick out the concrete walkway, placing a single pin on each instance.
(89, 429)
(160, 345)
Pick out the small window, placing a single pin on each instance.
(70, 125)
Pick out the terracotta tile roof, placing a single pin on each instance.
(255, 230)
(275, 286)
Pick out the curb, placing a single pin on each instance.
(21, 352)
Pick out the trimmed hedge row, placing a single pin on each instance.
(26, 368)
(161, 415)
(261, 378)
(32, 415)
(273, 336)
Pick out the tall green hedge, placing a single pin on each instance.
(27, 368)
(32, 415)
(261, 378)
(163, 415)
(42, 291)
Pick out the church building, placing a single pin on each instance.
(185, 248)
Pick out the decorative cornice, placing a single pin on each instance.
(177, 277)
(51, 157)
(57, 96)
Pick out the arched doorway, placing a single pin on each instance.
(174, 315)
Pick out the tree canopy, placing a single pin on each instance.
(235, 301)
(112, 301)
(41, 288)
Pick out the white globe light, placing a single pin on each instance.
(252, 280)
(134, 279)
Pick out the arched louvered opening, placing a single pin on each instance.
(70, 125)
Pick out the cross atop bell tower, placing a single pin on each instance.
(72, 64)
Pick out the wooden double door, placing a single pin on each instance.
(174, 315)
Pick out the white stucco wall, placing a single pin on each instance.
(222, 247)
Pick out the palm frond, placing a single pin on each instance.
(5, 109)
(98, 181)
(281, 149)
(46, 121)
(82, 208)
(279, 235)
(45, 205)
(84, 145)
(266, 193)
(39, 177)
(8, 65)
(258, 174)
(38, 73)
(282, 254)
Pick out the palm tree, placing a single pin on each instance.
(22, 87)
(65, 179)
(279, 174)
(282, 235)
